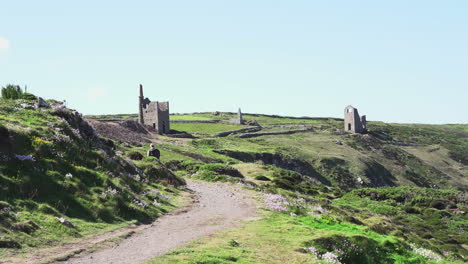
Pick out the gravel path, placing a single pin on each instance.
(216, 206)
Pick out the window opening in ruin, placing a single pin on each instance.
(154, 125)
(349, 126)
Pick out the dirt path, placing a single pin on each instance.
(216, 206)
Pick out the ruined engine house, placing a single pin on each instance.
(353, 122)
(154, 114)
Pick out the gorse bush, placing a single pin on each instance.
(12, 92)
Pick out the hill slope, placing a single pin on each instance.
(389, 155)
(59, 180)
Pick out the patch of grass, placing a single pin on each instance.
(191, 117)
(205, 129)
(289, 238)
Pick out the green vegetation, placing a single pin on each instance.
(60, 181)
(343, 217)
(394, 195)
(452, 137)
(13, 92)
(204, 129)
(427, 217)
(327, 227)
(280, 238)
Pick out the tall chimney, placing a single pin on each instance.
(140, 106)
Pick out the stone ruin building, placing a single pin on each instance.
(353, 122)
(237, 120)
(154, 114)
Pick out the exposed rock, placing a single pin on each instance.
(41, 103)
(251, 123)
(26, 227)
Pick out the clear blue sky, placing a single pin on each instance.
(396, 61)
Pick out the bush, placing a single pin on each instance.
(355, 249)
(221, 169)
(262, 178)
(135, 155)
(28, 96)
(12, 92)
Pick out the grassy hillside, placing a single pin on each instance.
(432, 156)
(325, 206)
(394, 195)
(59, 180)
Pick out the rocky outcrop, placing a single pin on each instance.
(41, 103)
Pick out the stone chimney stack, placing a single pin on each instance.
(140, 106)
(239, 116)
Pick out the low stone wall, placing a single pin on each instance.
(251, 135)
(195, 121)
(237, 131)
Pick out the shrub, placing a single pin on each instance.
(28, 96)
(12, 92)
(135, 155)
(221, 169)
(355, 249)
(262, 178)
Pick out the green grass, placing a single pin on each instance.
(277, 120)
(280, 238)
(191, 117)
(205, 129)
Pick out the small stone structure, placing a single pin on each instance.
(353, 122)
(154, 114)
(237, 120)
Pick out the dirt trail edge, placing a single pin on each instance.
(216, 206)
